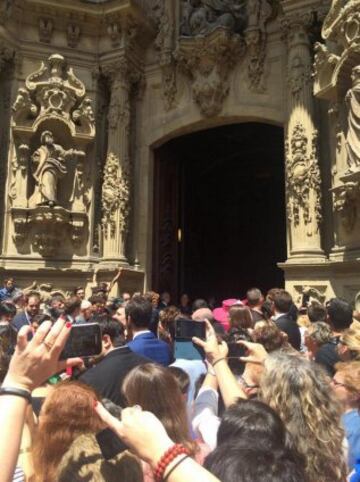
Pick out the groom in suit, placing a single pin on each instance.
(32, 308)
(138, 319)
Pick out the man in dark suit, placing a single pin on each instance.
(118, 360)
(284, 321)
(32, 308)
(138, 319)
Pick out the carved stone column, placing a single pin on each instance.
(117, 170)
(303, 180)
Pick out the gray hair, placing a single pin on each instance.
(320, 332)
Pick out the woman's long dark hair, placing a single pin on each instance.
(155, 389)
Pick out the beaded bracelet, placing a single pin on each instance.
(167, 458)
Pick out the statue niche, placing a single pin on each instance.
(346, 193)
(49, 184)
(49, 166)
(352, 99)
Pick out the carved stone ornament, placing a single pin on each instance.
(114, 32)
(208, 61)
(49, 228)
(259, 12)
(333, 60)
(302, 176)
(119, 108)
(164, 44)
(203, 16)
(215, 35)
(55, 91)
(46, 28)
(115, 199)
(346, 199)
(299, 76)
(313, 293)
(48, 186)
(73, 35)
(352, 144)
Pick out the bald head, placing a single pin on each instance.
(203, 313)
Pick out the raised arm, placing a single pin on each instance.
(33, 362)
(145, 435)
(216, 354)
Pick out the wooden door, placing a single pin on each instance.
(167, 222)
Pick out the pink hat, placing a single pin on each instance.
(222, 314)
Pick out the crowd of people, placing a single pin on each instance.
(274, 396)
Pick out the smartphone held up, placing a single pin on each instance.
(185, 330)
(84, 341)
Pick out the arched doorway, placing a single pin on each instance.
(219, 211)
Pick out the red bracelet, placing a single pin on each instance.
(167, 458)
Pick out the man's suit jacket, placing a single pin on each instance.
(108, 375)
(20, 320)
(287, 324)
(151, 347)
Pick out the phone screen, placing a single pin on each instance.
(186, 329)
(84, 341)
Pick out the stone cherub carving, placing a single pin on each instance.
(353, 135)
(49, 163)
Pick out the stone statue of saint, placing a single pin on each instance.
(353, 135)
(49, 163)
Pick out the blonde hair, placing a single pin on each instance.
(351, 338)
(351, 374)
(299, 391)
(84, 461)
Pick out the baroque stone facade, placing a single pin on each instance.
(82, 81)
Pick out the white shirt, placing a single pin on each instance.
(278, 315)
(140, 333)
(205, 421)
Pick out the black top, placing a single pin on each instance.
(107, 376)
(286, 324)
(327, 356)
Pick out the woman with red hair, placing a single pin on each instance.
(68, 412)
